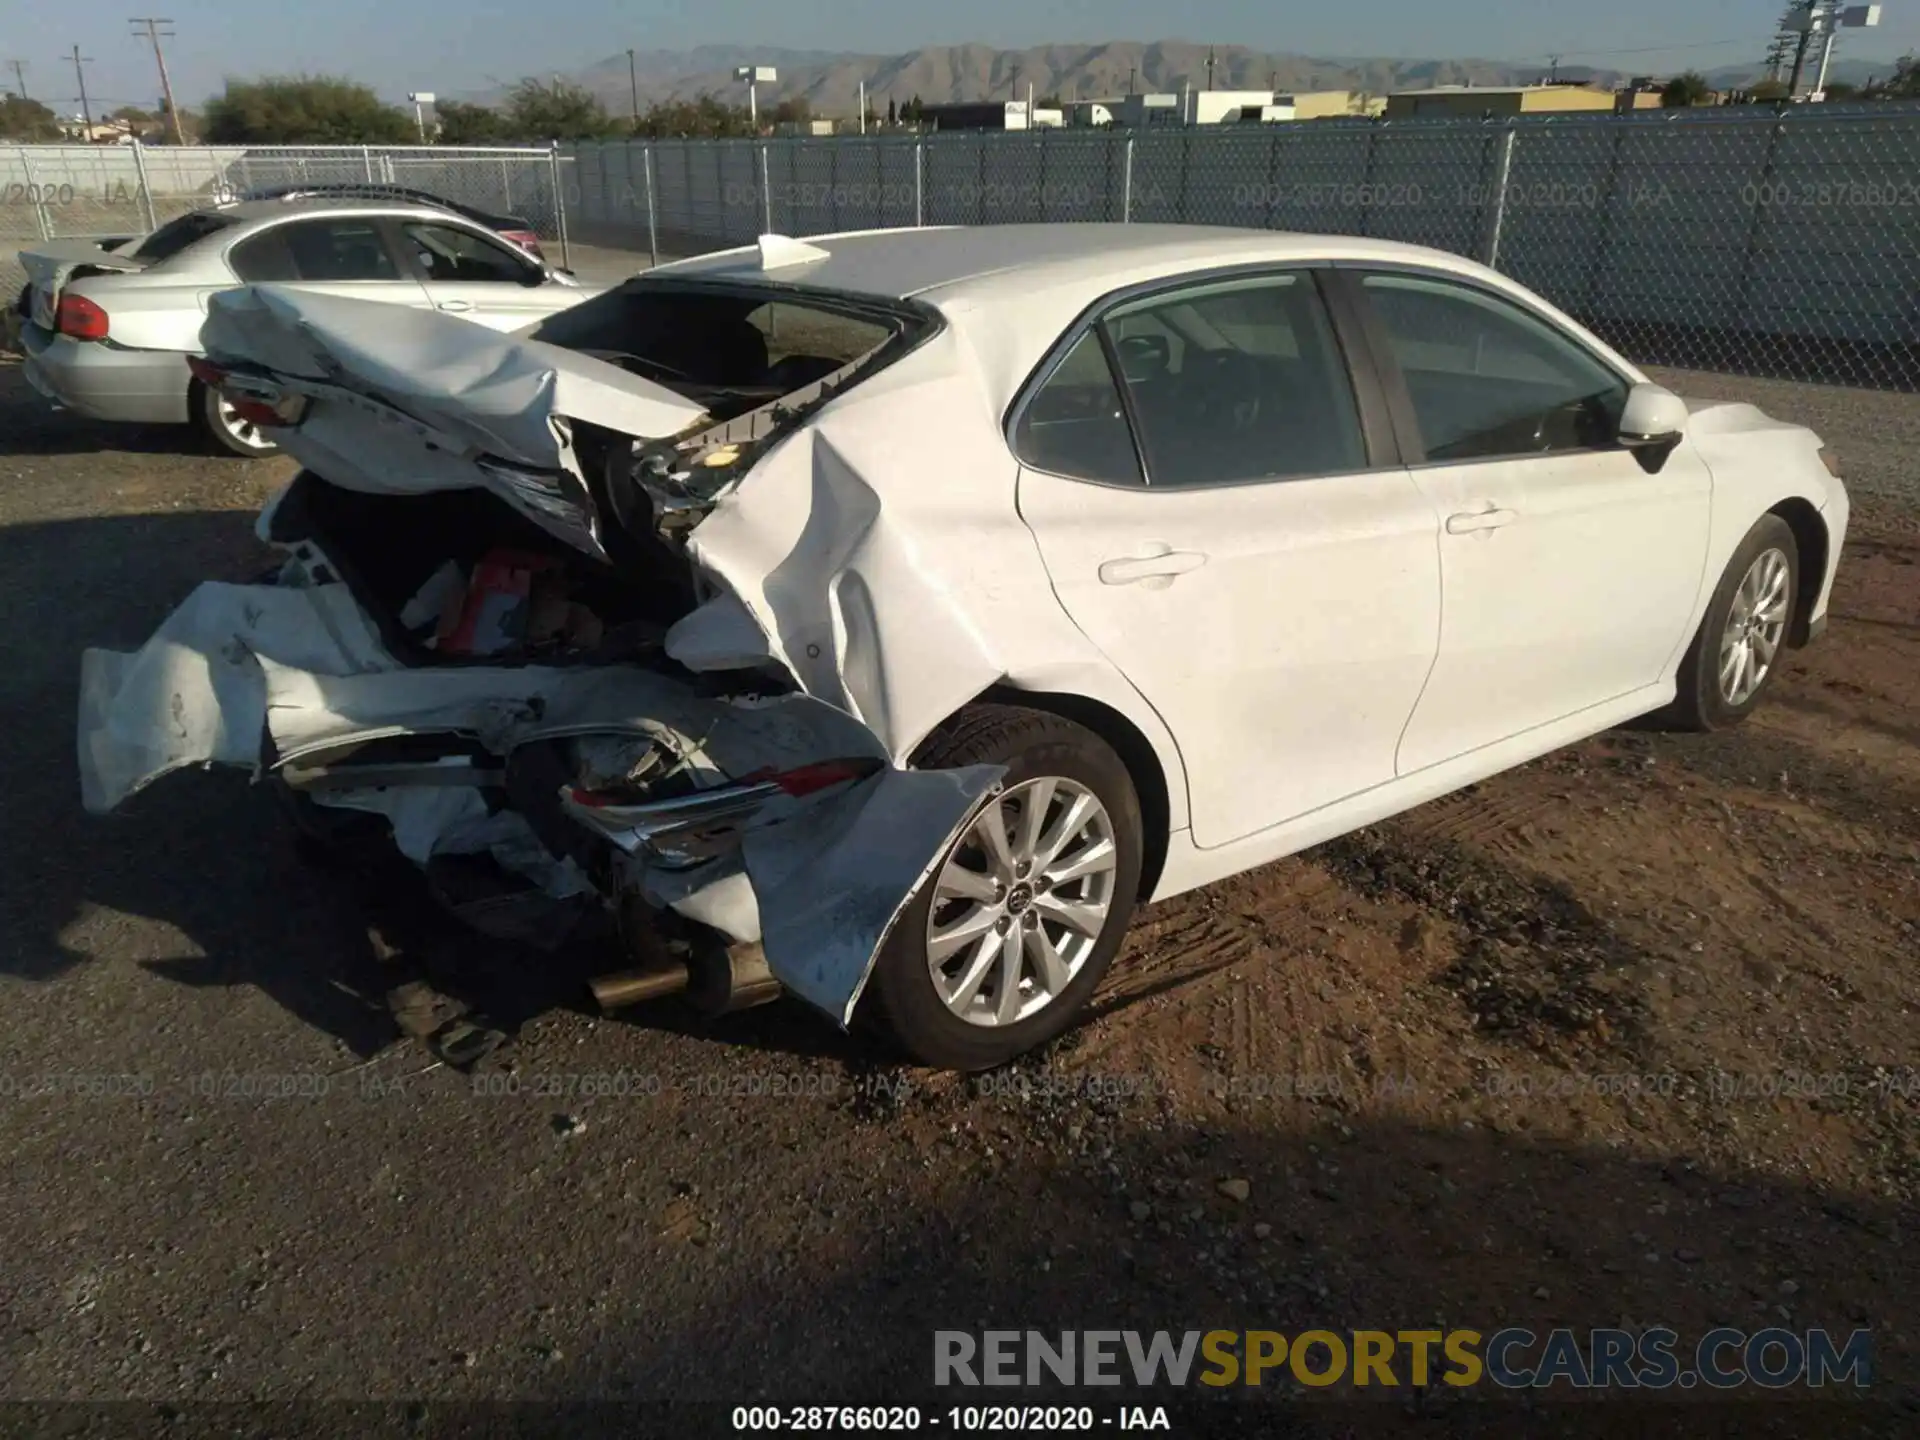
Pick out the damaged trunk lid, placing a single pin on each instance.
(386, 400)
(50, 266)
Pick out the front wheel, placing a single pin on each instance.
(1742, 640)
(1018, 921)
(225, 429)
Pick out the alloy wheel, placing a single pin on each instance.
(1021, 901)
(1756, 624)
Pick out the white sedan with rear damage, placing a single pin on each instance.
(882, 618)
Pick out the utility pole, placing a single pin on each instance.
(20, 78)
(151, 24)
(1209, 67)
(1013, 85)
(633, 84)
(1805, 14)
(1133, 79)
(80, 77)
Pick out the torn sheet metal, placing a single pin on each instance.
(807, 549)
(195, 693)
(819, 880)
(832, 882)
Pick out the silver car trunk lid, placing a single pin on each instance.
(51, 265)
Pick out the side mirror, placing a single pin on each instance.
(1654, 417)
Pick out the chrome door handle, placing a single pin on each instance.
(457, 306)
(1478, 521)
(1157, 568)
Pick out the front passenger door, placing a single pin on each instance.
(1219, 518)
(1569, 571)
(469, 274)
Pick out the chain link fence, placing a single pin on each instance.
(1753, 241)
(1758, 241)
(56, 192)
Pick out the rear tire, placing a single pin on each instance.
(222, 430)
(1742, 642)
(1000, 952)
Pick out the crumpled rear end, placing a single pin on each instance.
(294, 683)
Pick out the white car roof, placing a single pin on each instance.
(1012, 290)
(978, 262)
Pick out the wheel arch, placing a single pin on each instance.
(1814, 544)
(1136, 752)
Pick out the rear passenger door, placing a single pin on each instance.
(486, 280)
(1223, 512)
(350, 255)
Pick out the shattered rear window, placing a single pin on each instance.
(710, 343)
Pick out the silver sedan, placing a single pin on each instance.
(108, 329)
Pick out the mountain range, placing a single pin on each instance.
(830, 80)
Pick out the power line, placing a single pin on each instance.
(151, 24)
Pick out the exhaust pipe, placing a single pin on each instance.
(717, 978)
(636, 987)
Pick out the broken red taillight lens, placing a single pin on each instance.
(80, 318)
(526, 240)
(811, 779)
(258, 405)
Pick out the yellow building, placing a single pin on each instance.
(1331, 104)
(1477, 100)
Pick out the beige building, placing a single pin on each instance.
(1476, 100)
(1332, 104)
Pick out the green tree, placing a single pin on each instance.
(706, 117)
(304, 110)
(1684, 90)
(24, 119)
(462, 123)
(1905, 84)
(133, 115)
(556, 110)
(1767, 92)
(796, 111)
(1842, 90)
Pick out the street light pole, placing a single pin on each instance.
(753, 75)
(633, 84)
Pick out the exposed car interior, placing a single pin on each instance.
(731, 349)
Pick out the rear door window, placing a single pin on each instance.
(316, 250)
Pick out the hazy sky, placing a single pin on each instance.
(401, 45)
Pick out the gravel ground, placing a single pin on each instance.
(1377, 1085)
